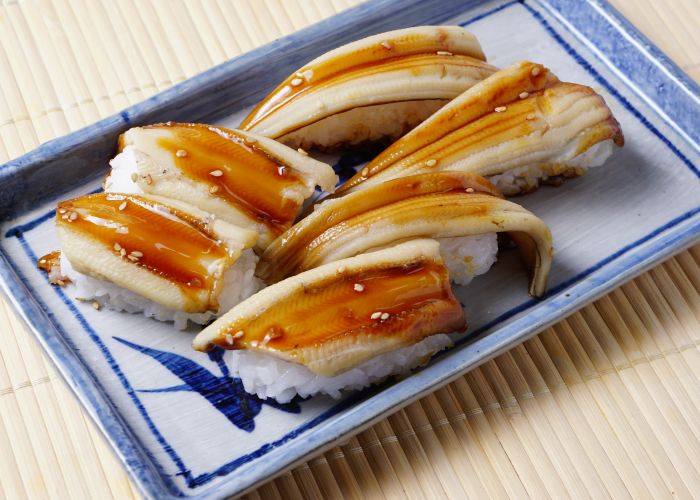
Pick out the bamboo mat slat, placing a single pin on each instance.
(604, 404)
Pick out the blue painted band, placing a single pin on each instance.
(113, 365)
(600, 25)
(612, 90)
(203, 478)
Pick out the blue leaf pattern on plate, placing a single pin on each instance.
(225, 393)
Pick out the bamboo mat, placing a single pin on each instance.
(605, 403)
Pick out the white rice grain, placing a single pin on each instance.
(123, 167)
(528, 177)
(363, 124)
(239, 284)
(270, 377)
(469, 256)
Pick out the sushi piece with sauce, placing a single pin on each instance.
(343, 325)
(463, 211)
(377, 87)
(138, 253)
(242, 178)
(519, 127)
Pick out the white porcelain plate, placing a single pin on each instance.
(181, 424)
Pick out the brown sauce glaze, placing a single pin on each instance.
(239, 172)
(380, 302)
(446, 122)
(522, 118)
(485, 132)
(49, 261)
(448, 204)
(161, 239)
(282, 257)
(296, 85)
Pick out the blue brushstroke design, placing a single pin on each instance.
(123, 440)
(175, 388)
(224, 393)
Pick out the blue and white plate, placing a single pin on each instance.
(180, 423)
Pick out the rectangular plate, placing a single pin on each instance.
(156, 399)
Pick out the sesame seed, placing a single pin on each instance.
(122, 230)
(523, 95)
(254, 343)
(149, 179)
(213, 189)
(134, 177)
(216, 173)
(281, 170)
(308, 74)
(60, 283)
(64, 216)
(296, 82)
(180, 153)
(469, 190)
(266, 339)
(530, 116)
(61, 210)
(122, 252)
(238, 334)
(229, 338)
(535, 71)
(96, 306)
(132, 258)
(431, 163)
(444, 53)
(365, 172)
(384, 316)
(73, 216)
(386, 45)
(500, 109)
(359, 287)
(122, 206)
(136, 253)
(301, 151)
(117, 247)
(341, 269)
(376, 315)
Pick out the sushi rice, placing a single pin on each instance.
(271, 377)
(527, 178)
(363, 124)
(239, 284)
(124, 165)
(265, 375)
(469, 256)
(465, 257)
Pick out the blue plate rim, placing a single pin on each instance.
(134, 457)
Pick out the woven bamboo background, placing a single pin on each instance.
(605, 403)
